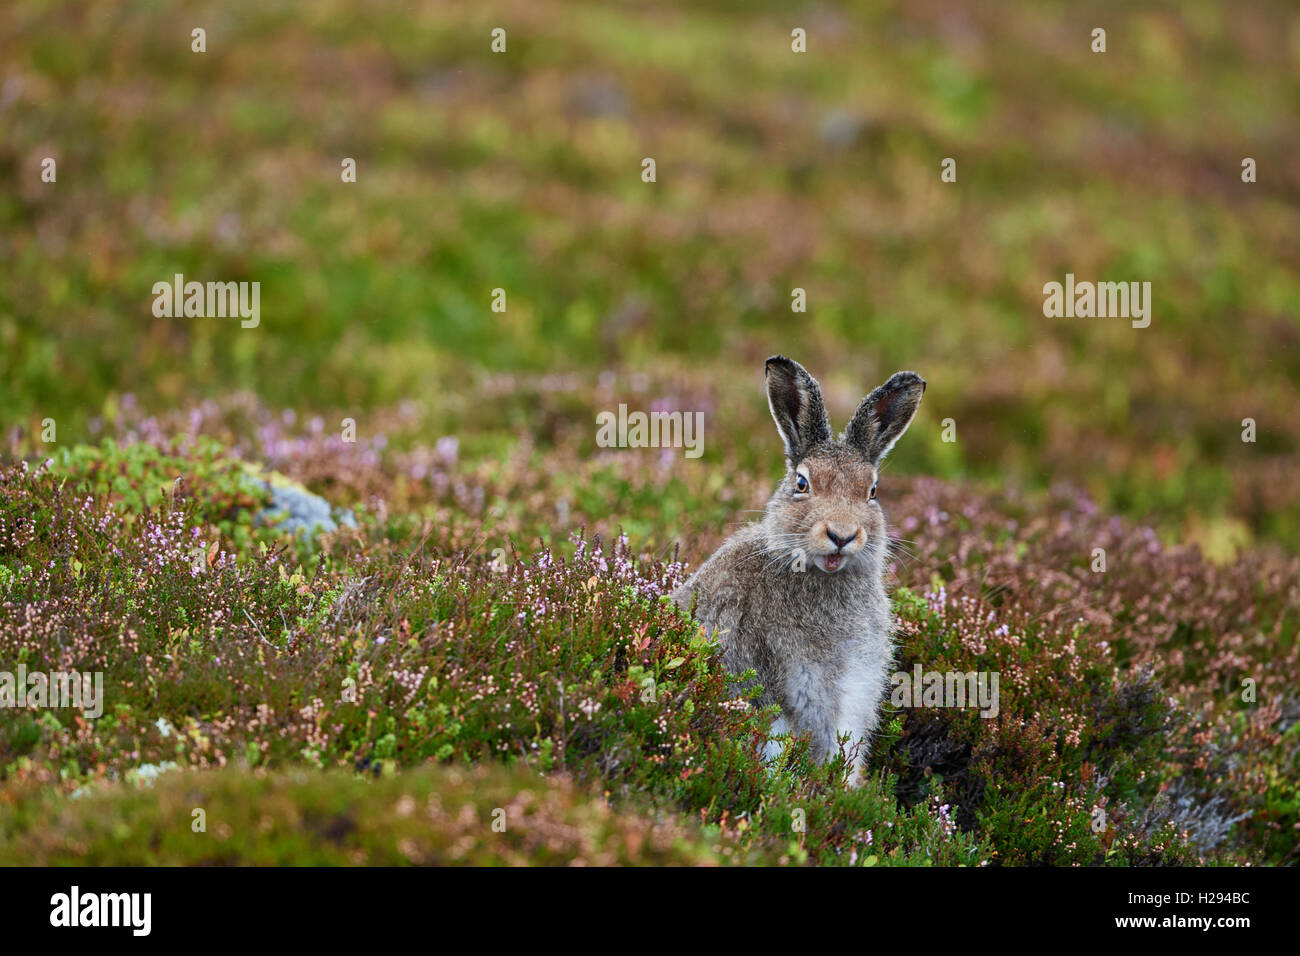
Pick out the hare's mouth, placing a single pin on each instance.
(831, 562)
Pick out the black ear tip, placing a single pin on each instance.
(907, 380)
(781, 362)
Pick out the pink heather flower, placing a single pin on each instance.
(447, 448)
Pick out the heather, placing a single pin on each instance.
(543, 642)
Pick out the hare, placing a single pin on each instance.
(800, 595)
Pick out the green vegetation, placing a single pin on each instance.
(399, 645)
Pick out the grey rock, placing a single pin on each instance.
(294, 509)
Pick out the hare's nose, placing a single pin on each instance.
(840, 540)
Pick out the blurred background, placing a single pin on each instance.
(775, 170)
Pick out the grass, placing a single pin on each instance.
(484, 816)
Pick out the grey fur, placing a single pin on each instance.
(819, 638)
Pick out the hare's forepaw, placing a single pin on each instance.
(857, 774)
(776, 740)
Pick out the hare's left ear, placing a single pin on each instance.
(884, 415)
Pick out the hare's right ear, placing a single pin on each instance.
(795, 399)
(884, 415)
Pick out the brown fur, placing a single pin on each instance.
(807, 612)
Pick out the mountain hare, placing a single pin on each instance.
(800, 595)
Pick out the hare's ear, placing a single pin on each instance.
(795, 399)
(884, 415)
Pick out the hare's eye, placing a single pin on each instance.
(801, 485)
(872, 495)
